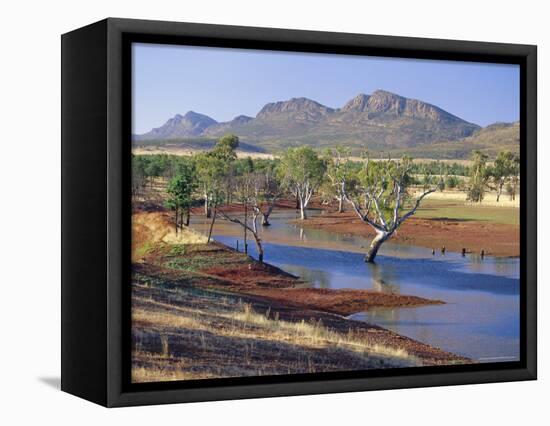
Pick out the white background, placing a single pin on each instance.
(30, 211)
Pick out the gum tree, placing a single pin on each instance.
(267, 191)
(383, 186)
(180, 190)
(505, 168)
(301, 171)
(245, 191)
(478, 177)
(215, 171)
(338, 173)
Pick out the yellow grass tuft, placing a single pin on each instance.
(315, 334)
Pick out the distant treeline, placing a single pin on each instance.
(440, 168)
(165, 165)
(168, 166)
(503, 174)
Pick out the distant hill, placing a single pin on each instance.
(489, 140)
(188, 125)
(380, 122)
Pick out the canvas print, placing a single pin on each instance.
(297, 213)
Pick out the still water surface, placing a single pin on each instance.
(480, 318)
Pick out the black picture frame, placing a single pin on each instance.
(96, 138)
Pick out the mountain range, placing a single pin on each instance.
(382, 121)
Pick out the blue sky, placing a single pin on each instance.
(223, 83)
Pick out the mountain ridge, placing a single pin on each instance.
(381, 121)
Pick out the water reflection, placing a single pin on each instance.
(314, 277)
(383, 279)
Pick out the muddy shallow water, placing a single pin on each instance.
(480, 319)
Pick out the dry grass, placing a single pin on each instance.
(228, 338)
(156, 372)
(314, 334)
(245, 322)
(152, 228)
(490, 199)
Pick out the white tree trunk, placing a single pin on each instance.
(499, 191)
(379, 239)
(206, 206)
(340, 204)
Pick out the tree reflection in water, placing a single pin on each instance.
(383, 279)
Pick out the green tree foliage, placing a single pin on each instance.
(440, 168)
(146, 168)
(478, 177)
(512, 187)
(301, 171)
(339, 173)
(504, 170)
(139, 174)
(181, 190)
(215, 169)
(451, 182)
(226, 147)
(267, 190)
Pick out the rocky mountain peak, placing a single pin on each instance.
(359, 103)
(190, 124)
(382, 101)
(294, 105)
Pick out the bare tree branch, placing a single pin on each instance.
(363, 217)
(416, 205)
(379, 213)
(397, 204)
(236, 220)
